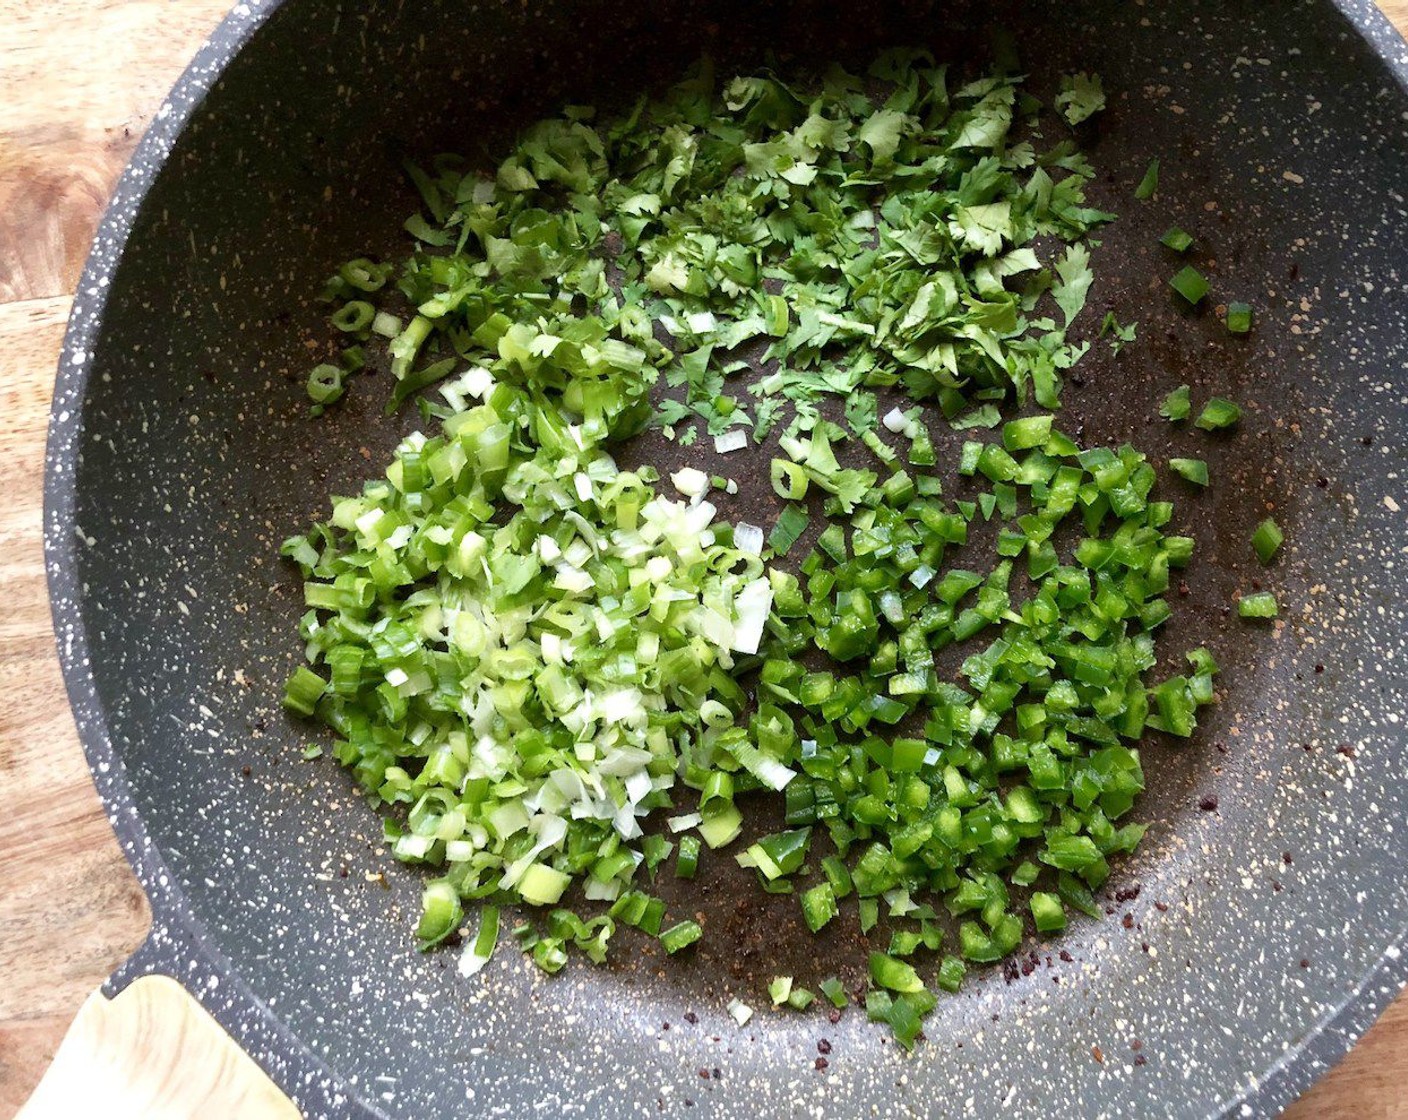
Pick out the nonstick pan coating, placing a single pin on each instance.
(1265, 934)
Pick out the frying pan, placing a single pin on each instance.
(1265, 934)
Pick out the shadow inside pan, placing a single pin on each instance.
(1283, 150)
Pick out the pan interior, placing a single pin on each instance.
(1283, 149)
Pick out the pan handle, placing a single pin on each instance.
(152, 1052)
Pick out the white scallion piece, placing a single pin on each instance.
(386, 324)
(752, 607)
(735, 439)
(748, 538)
(690, 481)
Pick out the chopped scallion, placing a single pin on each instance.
(1259, 604)
(1266, 540)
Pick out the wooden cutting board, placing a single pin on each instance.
(79, 79)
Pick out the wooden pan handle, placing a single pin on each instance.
(153, 1053)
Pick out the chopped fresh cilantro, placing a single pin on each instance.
(984, 416)
(1118, 335)
(861, 412)
(1081, 97)
(1074, 279)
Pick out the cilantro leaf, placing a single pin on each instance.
(1074, 279)
(1118, 335)
(1081, 97)
(984, 416)
(862, 412)
(988, 121)
(982, 228)
(882, 132)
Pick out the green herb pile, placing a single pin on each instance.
(531, 650)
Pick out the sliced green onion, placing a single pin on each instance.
(325, 384)
(477, 952)
(1266, 540)
(687, 861)
(354, 316)
(440, 914)
(542, 885)
(1260, 604)
(681, 935)
(386, 324)
(303, 690)
(789, 479)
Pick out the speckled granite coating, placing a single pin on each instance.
(1266, 935)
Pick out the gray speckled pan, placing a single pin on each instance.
(1266, 935)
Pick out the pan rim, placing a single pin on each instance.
(1257, 1093)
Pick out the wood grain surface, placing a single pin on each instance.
(79, 79)
(152, 1052)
